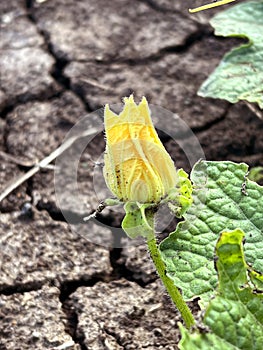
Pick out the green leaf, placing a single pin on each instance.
(239, 76)
(235, 316)
(223, 199)
(256, 174)
(180, 198)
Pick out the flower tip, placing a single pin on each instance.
(107, 107)
(144, 111)
(108, 113)
(129, 100)
(144, 101)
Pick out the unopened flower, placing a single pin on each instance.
(137, 166)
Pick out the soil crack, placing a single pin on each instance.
(71, 326)
(156, 7)
(60, 62)
(118, 264)
(202, 33)
(120, 270)
(26, 98)
(115, 336)
(21, 287)
(208, 125)
(56, 214)
(71, 315)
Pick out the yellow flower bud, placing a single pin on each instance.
(137, 166)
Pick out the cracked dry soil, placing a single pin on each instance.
(62, 59)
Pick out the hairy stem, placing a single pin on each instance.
(168, 283)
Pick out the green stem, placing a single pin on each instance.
(168, 283)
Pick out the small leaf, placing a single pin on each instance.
(235, 316)
(223, 199)
(179, 198)
(239, 76)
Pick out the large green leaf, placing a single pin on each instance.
(223, 199)
(239, 76)
(235, 316)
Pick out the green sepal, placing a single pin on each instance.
(139, 220)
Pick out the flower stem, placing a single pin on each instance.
(168, 283)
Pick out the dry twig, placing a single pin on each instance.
(43, 163)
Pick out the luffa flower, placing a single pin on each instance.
(137, 166)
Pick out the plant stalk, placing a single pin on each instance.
(168, 283)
